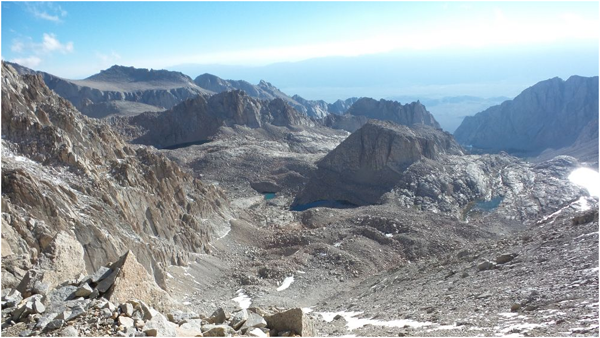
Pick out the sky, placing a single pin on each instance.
(77, 39)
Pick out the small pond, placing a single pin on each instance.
(269, 195)
(481, 207)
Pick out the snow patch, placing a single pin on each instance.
(286, 283)
(354, 323)
(588, 179)
(242, 299)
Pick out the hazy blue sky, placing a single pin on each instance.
(77, 39)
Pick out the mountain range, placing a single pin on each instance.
(232, 215)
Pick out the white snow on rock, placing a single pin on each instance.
(354, 323)
(587, 178)
(286, 283)
(242, 299)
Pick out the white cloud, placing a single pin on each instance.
(51, 44)
(38, 51)
(30, 62)
(17, 46)
(46, 11)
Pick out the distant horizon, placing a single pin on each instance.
(317, 50)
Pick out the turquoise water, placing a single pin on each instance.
(336, 204)
(488, 205)
(482, 206)
(269, 195)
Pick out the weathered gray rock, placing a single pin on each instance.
(486, 265)
(218, 317)
(239, 318)
(132, 281)
(159, 326)
(62, 260)
(217, 331)
(126, 309)
(76, 312)
(38, 307)
(505, 258)
(84, 291)
(100, 274)
(27, 285)
(292, 320)
(12, 298)
(256, 332)
(126, 321)
(254, 320)
(69, 331)
(44, 320)
(55, 324)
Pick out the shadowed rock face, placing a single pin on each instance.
(200, 118)
(408, 114)
(62, 171)
(371, 160)
(550, 114)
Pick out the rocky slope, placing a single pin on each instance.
(372, 159)
(552, 114)
(200, 119)
(75, 195)
(123, 90)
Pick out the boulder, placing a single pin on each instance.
(254, 320)
(183, 332)
(217, 331)
(505, 258)
(12, 298)
(486, 265)
(126, 309)
(84, 291)
(159, 326)
(218, 317)
(132, 281)
(126, 321)
(100, 274)
(27, 285)
(63, 259)
(69, 331)
(239, 318)
(292, 320)
(256, 332)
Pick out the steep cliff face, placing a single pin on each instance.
(371, 161)
(550, 114)
(200, 118)
(63, 172)
(407, 114)
(104, 93)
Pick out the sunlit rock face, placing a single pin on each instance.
(65, 173)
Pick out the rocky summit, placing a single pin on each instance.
(233, 213)
(552, 115)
